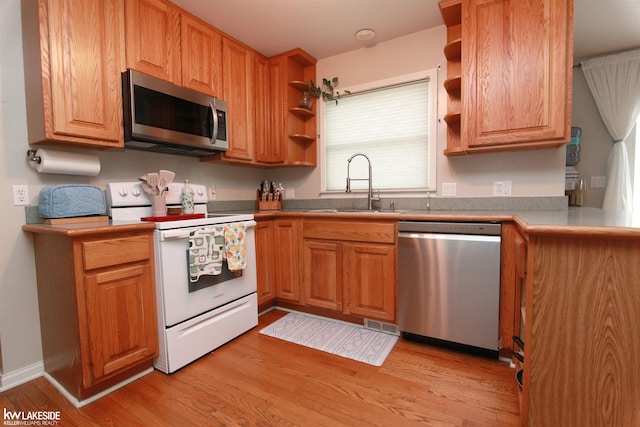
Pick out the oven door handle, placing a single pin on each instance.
(185, 233)
(174, 234)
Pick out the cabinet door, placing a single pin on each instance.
(276, 99)
(121, 319)
(516, 59)
(81, 65)
(323, 274)
(238, 92)
(371, 279)
(287, 259)
(153, 38)
(268, 149)
(264, 256)
(201, 56)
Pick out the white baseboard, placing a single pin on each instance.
(80, 403)
(13, 379)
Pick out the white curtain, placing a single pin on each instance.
(614, 81)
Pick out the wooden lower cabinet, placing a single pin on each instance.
(96, 295)
(371, 278)
(286, 252)
(323, 274)
(351, 267)
(581, 343)
(265, 267)
(512, 276)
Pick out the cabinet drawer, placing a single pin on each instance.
(107, 252)
(374, 232)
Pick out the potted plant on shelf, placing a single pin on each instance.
(326, 90)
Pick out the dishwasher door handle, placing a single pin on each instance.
(440, 236)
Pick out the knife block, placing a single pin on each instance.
(274, 205)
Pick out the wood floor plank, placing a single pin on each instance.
(257, 380)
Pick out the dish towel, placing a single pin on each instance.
(234, 245)
(206, 247)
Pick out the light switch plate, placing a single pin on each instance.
(448, 189)
(502, 188)
(289, 193)
(598, 182)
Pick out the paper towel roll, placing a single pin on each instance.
(66, 163)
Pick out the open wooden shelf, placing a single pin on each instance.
(299, 85)
(453, 84)
(302, 112)
(302, 138)
(453, 50)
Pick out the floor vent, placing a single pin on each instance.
(381, 326)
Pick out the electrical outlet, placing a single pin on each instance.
(502, 188)
(448, 189)
(212, 192)
(20, 195)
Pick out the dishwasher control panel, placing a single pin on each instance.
(477, 228)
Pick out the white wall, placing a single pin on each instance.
(595, 144)
(533, 173)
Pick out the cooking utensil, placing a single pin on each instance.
(167, 175)
(153, 181)
(162, 185)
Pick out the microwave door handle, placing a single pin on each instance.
(214, 133)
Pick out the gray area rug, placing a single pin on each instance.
(343, 339)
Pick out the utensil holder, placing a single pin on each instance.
(158, 205)
(265, 205)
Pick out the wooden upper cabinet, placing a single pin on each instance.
(201, 56)
(268, 148)
(238, 93)
(516, 74)
(153, 38)
(72, 54)
(166, 42)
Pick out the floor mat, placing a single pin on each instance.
(343, 339)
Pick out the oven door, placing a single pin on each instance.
(178, 301)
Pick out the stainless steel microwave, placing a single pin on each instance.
(162, 117)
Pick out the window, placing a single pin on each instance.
(393, 123)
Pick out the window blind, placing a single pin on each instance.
(391, 126)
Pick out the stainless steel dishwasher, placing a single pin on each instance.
(449, 284)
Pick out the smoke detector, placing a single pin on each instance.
(366, 36)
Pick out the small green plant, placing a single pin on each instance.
(326, 90)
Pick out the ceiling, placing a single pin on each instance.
(326, 27)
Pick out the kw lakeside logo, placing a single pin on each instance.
(31, 418)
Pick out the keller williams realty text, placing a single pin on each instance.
(31, 418)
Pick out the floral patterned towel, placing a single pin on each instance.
(234, 246)
(206, 247)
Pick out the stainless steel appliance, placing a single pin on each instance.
(160, 116)
(449, 283)
(194, 316)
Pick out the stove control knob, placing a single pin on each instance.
(135, 192)
(199, 192)
(123, 192)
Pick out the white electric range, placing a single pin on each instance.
(197, 313)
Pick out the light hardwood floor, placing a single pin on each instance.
(261, 381)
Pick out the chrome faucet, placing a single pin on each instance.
(349, 179)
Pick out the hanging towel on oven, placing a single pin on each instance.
(234, 245)
(206, 252)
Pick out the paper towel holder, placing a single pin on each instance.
(33, 157)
